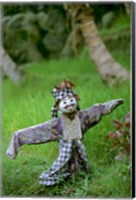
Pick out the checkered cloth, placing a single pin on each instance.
(54, 111)
(58, 171)
(58, 94)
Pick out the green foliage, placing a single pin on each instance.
(35, 35)
(41, 30)
(30, 104)
(21, 42)
(100, 10)
(118, 37)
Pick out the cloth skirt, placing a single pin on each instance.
(59, 170)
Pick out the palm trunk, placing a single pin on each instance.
(7, 65)
(110, 70)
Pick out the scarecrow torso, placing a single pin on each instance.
(71, 127)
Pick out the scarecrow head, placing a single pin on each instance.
(66, 101)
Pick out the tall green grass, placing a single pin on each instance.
(30, 103)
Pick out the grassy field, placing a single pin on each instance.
(30, 104)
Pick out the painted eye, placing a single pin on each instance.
(71, 100)
(64, 102)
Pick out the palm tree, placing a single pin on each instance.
(7, 65)
(110, 71)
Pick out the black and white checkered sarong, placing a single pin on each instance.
(58, 170)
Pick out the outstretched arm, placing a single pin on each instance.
(41, 133)
(108, 107)
(92, 115)
(52, 130)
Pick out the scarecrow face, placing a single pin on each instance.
(68, 104)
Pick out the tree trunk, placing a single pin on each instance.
(7, 65)
(110, 71)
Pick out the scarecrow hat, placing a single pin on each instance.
(61, 91)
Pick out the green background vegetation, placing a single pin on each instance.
(45, 29)
(29, 104)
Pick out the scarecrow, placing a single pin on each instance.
(68, 130)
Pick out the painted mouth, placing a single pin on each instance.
(70, 107)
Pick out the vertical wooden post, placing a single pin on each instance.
(74, 162)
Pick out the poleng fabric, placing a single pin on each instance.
(59, 169)
(58, 95)
(61, 93)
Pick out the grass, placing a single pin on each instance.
(30, 104)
